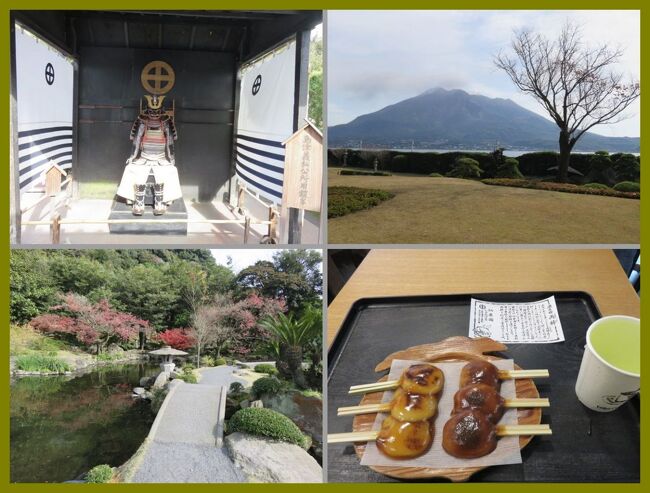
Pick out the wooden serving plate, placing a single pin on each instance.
(450, 349)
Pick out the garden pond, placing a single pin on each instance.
(62, 426)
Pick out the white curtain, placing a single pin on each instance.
(44, 101)
(265, 120)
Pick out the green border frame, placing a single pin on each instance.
(291, 5)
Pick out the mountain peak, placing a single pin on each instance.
(443, 91)
(442, 118)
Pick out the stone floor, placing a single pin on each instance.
(198, 234)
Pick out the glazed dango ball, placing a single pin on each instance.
(404, 439)
(422, 379)
(413, 407)
(480, 371)
(482, 398)
(469, 434)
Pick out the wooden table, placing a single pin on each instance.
(388, 272)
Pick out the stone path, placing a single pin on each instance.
(181, 444)
(219, 375)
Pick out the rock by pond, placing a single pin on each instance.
(271, 461)
(305, 411)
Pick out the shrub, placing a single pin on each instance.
(268, 423)
(627, 186)
(601, 168)
(436, 175)
(363, 173)
(560, 187)
(236, 387)
(465, 167)
(345, 200)
(627, 167)
(598, 186)
(108, 356)
(187, 375)
(100, 474)
(266, 368)
(207, 361)
(509, 168)
(41, 363)
(157, 399)
(188, 366)
(266, 385)
(220, 361)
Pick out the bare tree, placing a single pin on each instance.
(209, 322)
(575, 84)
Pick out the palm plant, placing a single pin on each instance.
(293, 335)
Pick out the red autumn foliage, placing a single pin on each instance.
(90, 323)
(245, 316)
(181, 339)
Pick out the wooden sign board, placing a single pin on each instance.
(303, 169)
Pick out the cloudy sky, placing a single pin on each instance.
(243, 257)
(376, 58)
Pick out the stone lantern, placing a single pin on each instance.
(167, 354)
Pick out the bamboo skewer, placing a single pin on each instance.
(392, 384)
(386, 406)
(502, 431)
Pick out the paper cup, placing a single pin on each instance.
(602, 386)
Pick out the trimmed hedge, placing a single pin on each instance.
(509, 168)
(363, 173)
(235, 387)
(100, 474)
(465, 167)
(535, 164)
(266, 368)
(345, 200)
(266, 385)
(422, 163)
(268, 423)
(560, 187)
(627, 186)
(599, 186)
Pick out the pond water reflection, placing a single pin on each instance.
(62, 426)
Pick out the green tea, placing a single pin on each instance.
(619, 343)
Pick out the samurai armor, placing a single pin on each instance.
(159, 207)
(138, 202)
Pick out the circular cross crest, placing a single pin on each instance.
(49, 74)
(157, 77)
(257, 84)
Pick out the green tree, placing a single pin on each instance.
(31, 288)
(294, 336)
(146, 291)
(79, 274)
(315, 110)
(294, 275)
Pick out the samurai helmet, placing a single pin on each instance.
(154, 102)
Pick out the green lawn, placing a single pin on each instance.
(449, 210)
